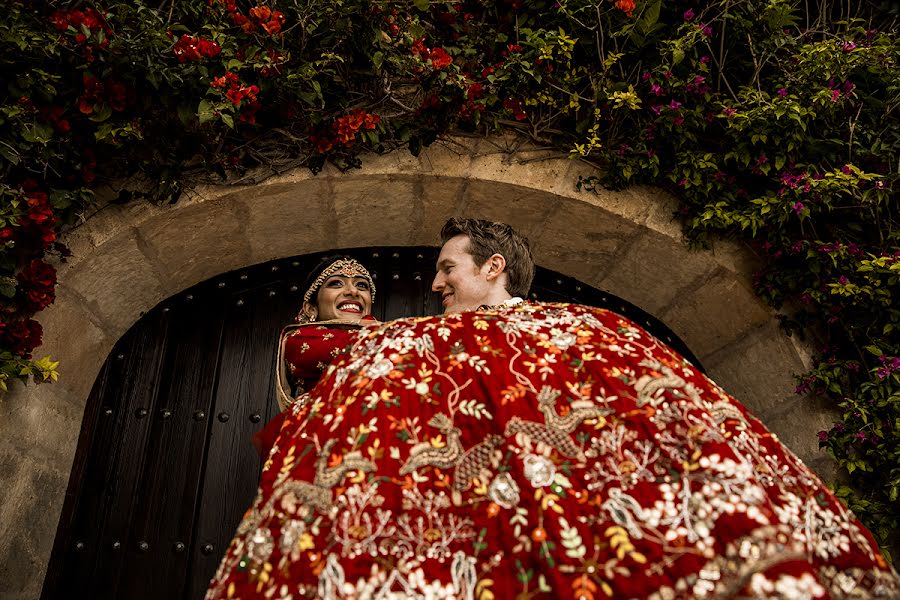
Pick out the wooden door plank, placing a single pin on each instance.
(165, 506)
(245, 394)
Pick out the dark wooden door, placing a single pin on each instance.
(164, 468)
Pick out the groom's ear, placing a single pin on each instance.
(496, 266)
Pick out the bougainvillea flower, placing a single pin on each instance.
(440, 59)
(626, 6)
(36, 285)
(270, 20)
(21, 336)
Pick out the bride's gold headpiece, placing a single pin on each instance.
(347, 267)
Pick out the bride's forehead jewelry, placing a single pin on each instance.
(346, 267)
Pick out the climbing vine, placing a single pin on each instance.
(771, 125)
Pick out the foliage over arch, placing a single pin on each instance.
(773, 126)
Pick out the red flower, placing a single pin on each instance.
(37, 285)
(347, 126)
(185, 49)
(208, 48)
(21, 337)
(92, 95)
(37, 223)
(626, 6)
(97, 93)
(238, 94)
(516, 107)
(440, 58)
(242, 21)
(268, 19)
(276, 59)
(116, 95)
(418, 48)
(60, 20)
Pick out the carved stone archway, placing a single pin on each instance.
(128, 258)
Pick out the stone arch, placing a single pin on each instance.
(127, 258)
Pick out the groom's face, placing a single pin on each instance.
(461, 284)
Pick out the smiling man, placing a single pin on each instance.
(482, 263)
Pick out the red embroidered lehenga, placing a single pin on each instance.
(543, 450)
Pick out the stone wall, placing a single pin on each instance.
(129, 258)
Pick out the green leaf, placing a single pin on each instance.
(186, 114)
(206, 111)
(101, 115)
(39, 133)
(422, 5)
(9, 153)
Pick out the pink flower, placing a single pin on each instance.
(706, 30)
(835, 94)
(656, 89)
(782, 92)
(689, 14)
(798, 207)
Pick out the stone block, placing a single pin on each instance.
(192, 242)
(374, 210)
(117, 282)
(104, 225)
(441, 198)
(737, 257)
(391, 163)
(580, 239)
(288, 219)
(541, 176)
(653, 270)
(524, 208)
(445, 159)
(715, 313)
(45, 420)
(796, 423)
(32, 503)
(72, 337)
(661, 216)
(757, 369)
(636, 204)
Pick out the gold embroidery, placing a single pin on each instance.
(424, 454)
(476, 459)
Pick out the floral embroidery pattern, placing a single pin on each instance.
(542, 450)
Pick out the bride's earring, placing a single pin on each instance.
(307, 315)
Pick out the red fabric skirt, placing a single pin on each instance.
(543, 450)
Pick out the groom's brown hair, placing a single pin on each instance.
(487, 238)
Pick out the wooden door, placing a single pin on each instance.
(164, 468)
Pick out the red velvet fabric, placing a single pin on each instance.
(543, 450)
(307, 351)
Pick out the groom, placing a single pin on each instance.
(482, 263)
